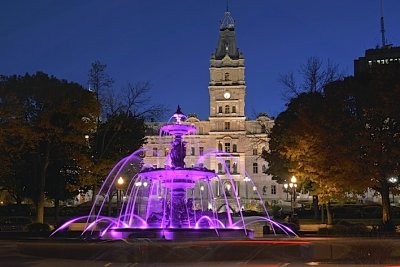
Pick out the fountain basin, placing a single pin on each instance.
(178, 233)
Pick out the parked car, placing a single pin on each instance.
(15, 224)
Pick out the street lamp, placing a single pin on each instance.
(120, 183)
(246, 180)
(293, 186)
(393, 180)
(287, 192)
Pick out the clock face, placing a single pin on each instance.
(227, 95)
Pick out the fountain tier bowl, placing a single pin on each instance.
(177, 177)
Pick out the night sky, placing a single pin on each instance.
(169, 42)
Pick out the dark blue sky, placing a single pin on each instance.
(169, 42)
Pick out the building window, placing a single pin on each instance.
(254, 151)
(228, 165)
(227, 109)
(264, 169)
(201, 151)
(227, 125)
(234, 148)
(219, 147)
(220, 168)
(155, 152)
(255, 167)
(233, 109)
(226, 76)
(220, 109)
(227, 188)
(234, 168)
(192, 152)
(228, 147)
(263, 128)
(273, 189)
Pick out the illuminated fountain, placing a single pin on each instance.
(159, 203)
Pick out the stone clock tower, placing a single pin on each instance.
(227, 86)
(227, 142)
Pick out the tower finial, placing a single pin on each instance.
(383, 26)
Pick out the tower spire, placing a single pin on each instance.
(382, 26)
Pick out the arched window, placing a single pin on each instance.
(227, 188)
(233, 109)
(227, 109)
(220, 168)
(255, 167)
(234, 168)
(234, 148)
(228, 165)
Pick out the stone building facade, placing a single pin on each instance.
(227, 142)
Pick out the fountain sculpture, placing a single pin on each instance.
(157, 203)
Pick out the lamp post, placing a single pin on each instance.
(120, 183)
(287, 192)
(246, 180)
(393, 180)
(293, 186)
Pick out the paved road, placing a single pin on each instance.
(197, 253)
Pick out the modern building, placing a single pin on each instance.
(381, 55)
(387, 54)
(227, 142)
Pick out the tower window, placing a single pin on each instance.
(234, 109)
(226, 76)
(227, 109)
(263, 128)
(228, 147)
(227, 125)
(234, 148)
(220, 109)
(255, 167)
